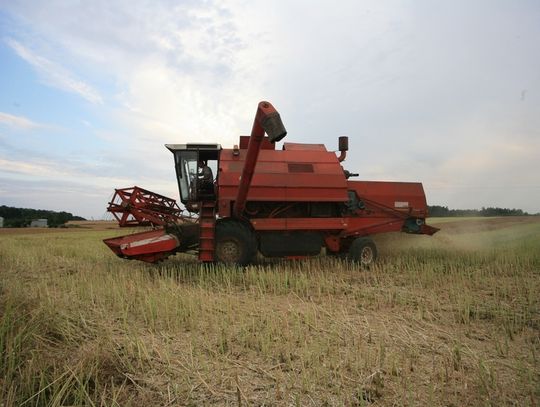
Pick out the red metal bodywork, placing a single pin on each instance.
(150, 246)
(289, 175)
(266, 120)
(310, 173)
(287, 184)
(136, 206)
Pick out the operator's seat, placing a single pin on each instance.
(206, 190)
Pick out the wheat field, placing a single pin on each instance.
(451, 320)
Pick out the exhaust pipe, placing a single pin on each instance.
(343, 144)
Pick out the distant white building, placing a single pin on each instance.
(1, 222)
(38, 223)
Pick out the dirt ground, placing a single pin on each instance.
(72, 226)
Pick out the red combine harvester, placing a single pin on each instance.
(283, 203)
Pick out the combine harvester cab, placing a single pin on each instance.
(282, 203)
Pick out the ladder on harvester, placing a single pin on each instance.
(207, 226)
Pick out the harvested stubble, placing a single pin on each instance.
(448, 320)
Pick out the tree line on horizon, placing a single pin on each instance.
(443, 211)
(21, 217)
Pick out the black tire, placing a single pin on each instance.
(235, 243)
(363, 251)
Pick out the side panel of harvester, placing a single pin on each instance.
(310, 174)
(405, 197)
(388, 207)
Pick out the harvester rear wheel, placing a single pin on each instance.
(235, 243)
(363, 251)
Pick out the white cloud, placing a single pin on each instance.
(74, 172)
(54, 74)
(423, 99)
(20, 122)
(182, 70)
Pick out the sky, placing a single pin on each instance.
(443, 93)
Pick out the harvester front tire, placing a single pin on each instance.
(363, 251)
(235, 243)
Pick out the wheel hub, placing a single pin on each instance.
(366, 255)
(229, 251)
